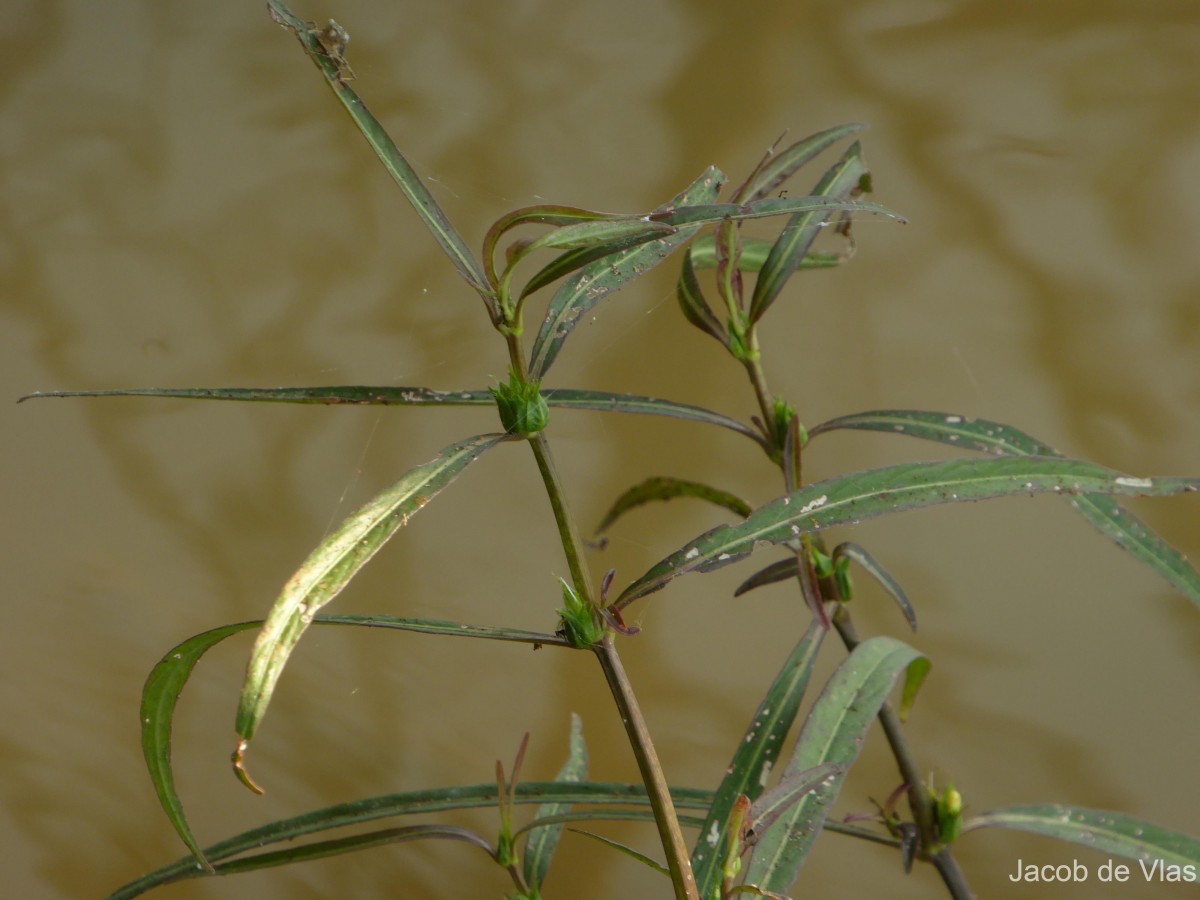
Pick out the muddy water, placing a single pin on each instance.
(184, 204)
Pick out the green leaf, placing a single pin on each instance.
(167, 679)
(667, 488)
(385, 148)
(159, 696)
(782, 570)
(330, 567)
(833, 733)
(1105, 514)
(579, 257)
(691, 301)
(530, 215)
(600, 278)
(360, 395)
(543, 841)
(859, 555)
(775, 168)
(754, 254)
(792, 245)
(861, 495)
(1107, 832)
(711, 214)
(422, 802)
(637, 855)
(750, 769)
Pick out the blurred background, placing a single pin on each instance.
(184, 203)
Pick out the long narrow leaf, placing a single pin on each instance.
(1109, 517)
(779, 167)
(166, 681)
(711, 214)
(842, 180)
(543, 841)
(662, 488)
(833, 733)
(750, 769)
(423, 802)
(365, 395)
(600, 278)
(861, 495)
(754, 255)
(1154, 847)
(385, 148)
(331, 566)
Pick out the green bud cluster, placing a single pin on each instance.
(523, 409)
(579, 622)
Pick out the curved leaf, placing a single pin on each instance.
(885, 579)
(547, 214)
(750, 769)
(166, 681)
(330, 567)
(782, 570)
(666, 488)
(691, 300)
(600, 278)
(1105, 514)
(833, 733)
(385, 148)
(861, 495)
(1151, 845)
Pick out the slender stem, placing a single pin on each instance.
(652, 774)
(919, 799)
(569, 535)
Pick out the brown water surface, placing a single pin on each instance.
(184, 204)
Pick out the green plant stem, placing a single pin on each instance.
(665, 817)
(919, 799)
(569, 535)
(678, 862)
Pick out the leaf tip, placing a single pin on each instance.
(239, 767)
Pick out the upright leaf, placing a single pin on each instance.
(543, 840)
(749, 771)
(329, 569)
(791, 247)
(833, 733)
(600, 278)
(861, 495)
(389, 154)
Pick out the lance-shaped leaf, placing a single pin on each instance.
(1104, 513)
(833, 733)
(1157, 849)
(530, 215)
(330, 567)
(579, 257)
(598, 279)
(711, 214)
(703, 253)
(166, 681)
(615, 232)
(749, 771)
(695, 308)
(365, 395)
(776, 168)
(333, 68)
(543, 840)
(861, 495)
(843, 179)
(667, 488)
